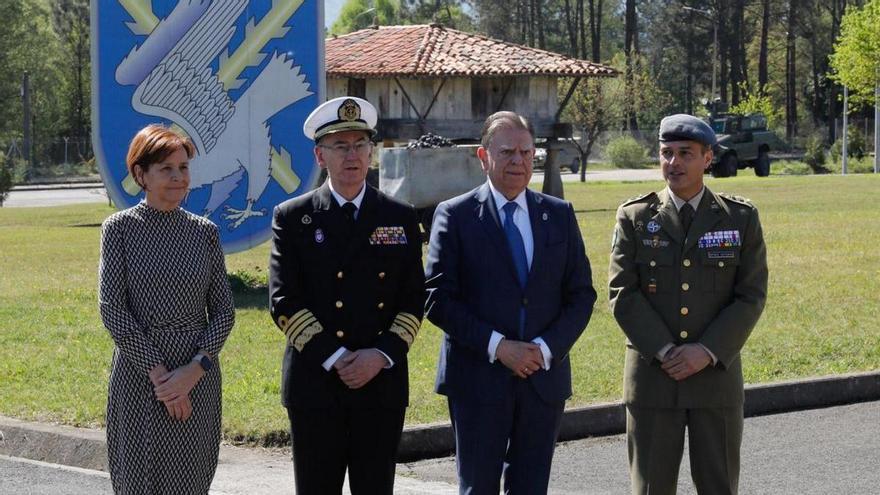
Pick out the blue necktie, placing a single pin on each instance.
(518, 250)
(517, 247)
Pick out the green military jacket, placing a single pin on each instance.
(707, 287)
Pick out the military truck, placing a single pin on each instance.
(743, 141)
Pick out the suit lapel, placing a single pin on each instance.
(487, 216)
(707, 216)
(537, 218)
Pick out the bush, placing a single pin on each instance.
(815, 155)
(5, 179)
(855, 148)
(626, 152)
(244, 282)
(788, 167)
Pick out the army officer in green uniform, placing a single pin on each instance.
(688, 282)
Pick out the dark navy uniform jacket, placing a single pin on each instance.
(332, 286)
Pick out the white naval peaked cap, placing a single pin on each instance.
(346, 113)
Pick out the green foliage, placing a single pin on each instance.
(755, 103)
(626, 152)
(360, 14)
(5, 179)
(814, 155)
(856, 57)
(855, 148)
(245, 281)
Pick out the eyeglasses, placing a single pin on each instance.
(359, 148)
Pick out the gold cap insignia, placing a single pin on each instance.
(349, 110)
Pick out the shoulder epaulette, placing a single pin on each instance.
(736, 199)
(639, 198)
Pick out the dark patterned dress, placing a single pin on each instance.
(163, 295)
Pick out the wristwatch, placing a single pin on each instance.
(204, 361)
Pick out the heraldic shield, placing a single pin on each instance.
(238, 77)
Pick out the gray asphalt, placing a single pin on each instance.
(833, 450)
(78, 195)
(821, 451)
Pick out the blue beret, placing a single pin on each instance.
(684, 127)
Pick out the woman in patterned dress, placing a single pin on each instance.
(165, 299)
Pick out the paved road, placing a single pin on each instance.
(77, 195)
(823, 451)
(55, 197)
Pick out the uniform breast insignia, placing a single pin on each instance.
(653, 227)
(319, 236)
(640, 226)
(655, 242)
(306, 219)
(720, 239)
(388, 236)
(544, 216)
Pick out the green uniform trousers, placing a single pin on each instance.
(655, 442)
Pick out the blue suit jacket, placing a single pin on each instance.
(473, 290)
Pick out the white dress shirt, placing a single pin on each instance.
(522, 222)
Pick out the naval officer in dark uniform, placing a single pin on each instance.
(346, 286)
(688, 282)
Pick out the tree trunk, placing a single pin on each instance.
(571, 29)
(630, 50)
(762, 55)
(790, 81)
(596, 28)
(733, 48)
(532, 23)
(539, 20)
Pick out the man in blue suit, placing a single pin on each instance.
(510, 285)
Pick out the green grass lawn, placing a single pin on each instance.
(823, 238)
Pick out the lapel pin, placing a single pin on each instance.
(544, 216)
(306, 219)
(319, 236)
(653, 227)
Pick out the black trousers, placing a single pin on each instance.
(328, 441)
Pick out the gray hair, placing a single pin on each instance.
(503, 120)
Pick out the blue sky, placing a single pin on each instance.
(331, 11)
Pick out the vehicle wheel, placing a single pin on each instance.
(725, 167)
(575, 166)
(762, 164)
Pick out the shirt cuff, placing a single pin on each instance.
(662, 352)
(388, 358)
(545, 351)
(714, 359)
(494, 340)
(333, 358)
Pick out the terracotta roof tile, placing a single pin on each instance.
(433, 50)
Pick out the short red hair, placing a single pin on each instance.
(152, 144)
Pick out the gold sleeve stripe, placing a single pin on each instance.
(300, 328)
(408, 321)
(408, 317)
(404, 334)
(286, 323)
(305, 335)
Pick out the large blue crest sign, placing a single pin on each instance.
(238, 77)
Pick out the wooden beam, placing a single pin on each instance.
(408, 99)
(566, 99)
(510, 82)
(434, 99)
